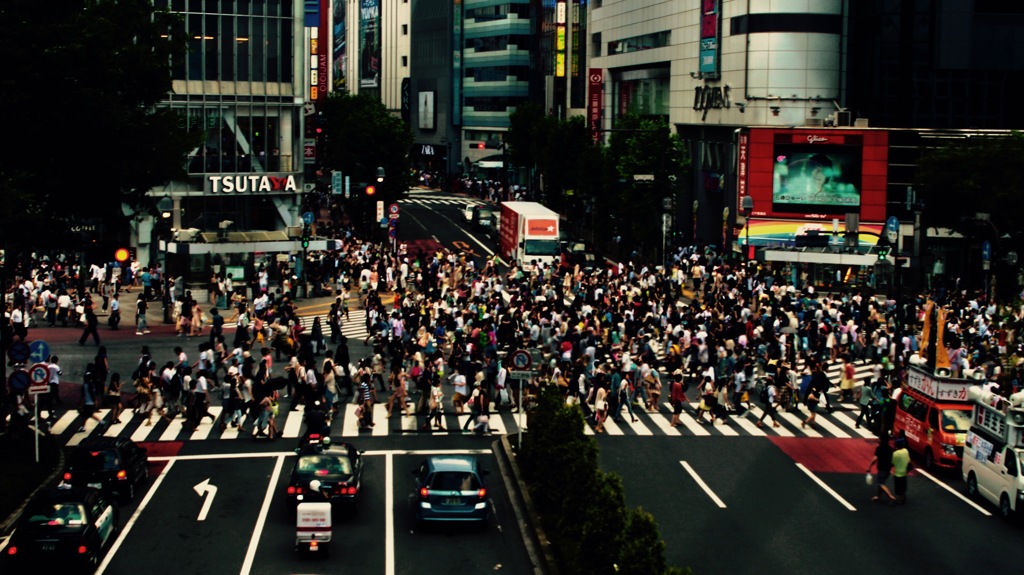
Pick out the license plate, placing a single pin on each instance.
(48, 547)
(96, 485)
(452, 501)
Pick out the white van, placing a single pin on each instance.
(993, 462)
(993, 470)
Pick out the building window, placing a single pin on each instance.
(639, 43)
(405, 61)
(405, 29)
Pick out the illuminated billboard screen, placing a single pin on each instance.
(816, 179)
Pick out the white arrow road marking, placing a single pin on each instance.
(211, 491)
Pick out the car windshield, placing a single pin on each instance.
(956, 420)
(541, 247)
(322, 465)
(93, 461)
(454, 481)
(485, 213)
(56, 514)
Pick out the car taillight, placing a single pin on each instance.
(122, 474)
(67, 476)
(314, 436)
(481, 493)
(292, 490)
(424, 492)
(12, 550)
(351, 490)
(82, 549)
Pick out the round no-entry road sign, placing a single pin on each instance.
(393, 208)
(40, 373)
(520, 360)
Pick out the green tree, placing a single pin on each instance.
(970, 176)
(643, 550)
(362, 136)
(643, 146)
(604, 527)
(80, 91)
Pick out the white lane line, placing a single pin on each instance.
(704, 486)
(389, 514)
(962, 497)
(135, 517)
(254, 542)
(827, 489)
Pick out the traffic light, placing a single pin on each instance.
(883, 253)
(121, 255)
(480, 145)
(305, 242)
(370, 190)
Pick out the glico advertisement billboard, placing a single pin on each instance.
(800, 176)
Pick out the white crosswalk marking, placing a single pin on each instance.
(380, 418)
(612, 428)
(450, 201)
(350, 423)
(174, 429)
(142, 432)
(690, 423)
(782, 430)
(746, 424)
(63, 423)
(796, 421)
(293, 423)
(90, 425)
(664, 424)
(638, 427)
(828, 426)
(116, 429)
(203, 431)
(850, 421)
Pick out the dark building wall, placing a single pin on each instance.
(934, 64)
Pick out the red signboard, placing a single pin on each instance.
(814, 174)
(541, 228)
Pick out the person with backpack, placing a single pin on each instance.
(769, 399)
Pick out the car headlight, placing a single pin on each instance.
(424, 505)
(949, 448)
(481, 505)
(1020, 494)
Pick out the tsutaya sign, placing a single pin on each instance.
(251, 183)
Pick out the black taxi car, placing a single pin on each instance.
(338, 468)
(114, 465)
(64, 526)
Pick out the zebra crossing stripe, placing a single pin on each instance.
(203, 431)
(851, 423)
(747, 425)
(380, 417)
(796, 421)
(63, 422)
(663, 424)
(830, 427)
(293, 423)
(781, 431)
(90, 425)
(638, 427)
(350, 424)
(142, 431)
(230, 432)
(612, 428)
(115, 429)
(174, 428)
(691, 423)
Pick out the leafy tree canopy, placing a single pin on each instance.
(362, 136)
(79, 92)
(977, 175)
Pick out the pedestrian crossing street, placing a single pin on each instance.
(423, 200)
(354, 328)
(839, 424)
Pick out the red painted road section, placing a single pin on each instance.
(828, 455)
(427, 246)
(160, 449)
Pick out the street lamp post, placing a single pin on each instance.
(747, 205)
(166, 206)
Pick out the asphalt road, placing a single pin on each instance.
(761, 513)
(248, 527)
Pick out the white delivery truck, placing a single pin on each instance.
(992, 465)
(528, 234)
